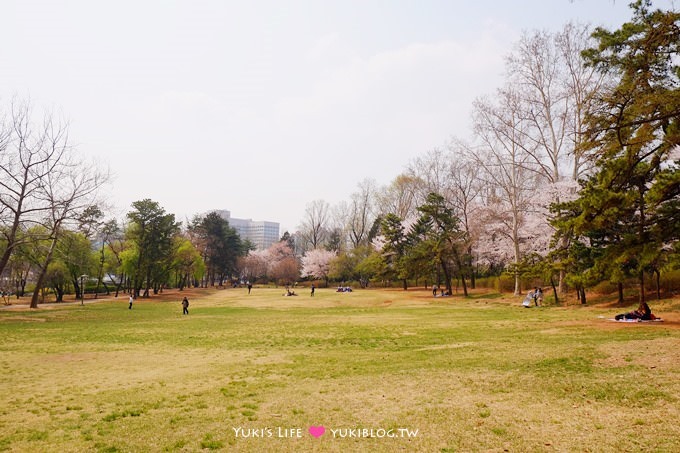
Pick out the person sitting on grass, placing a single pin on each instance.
(643, 312)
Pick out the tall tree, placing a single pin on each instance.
(362, 213)
(220, 245)
(74, 251)
(535, 69)
(582, 82)
(505, 168)
(29, 152)
(69, 190)
(399, 197)
(314, 227)
(633, 129)
(187, 262)
(464, 196)
(151, 232)
(394, 248)
(438, 230)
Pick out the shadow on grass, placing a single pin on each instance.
(485, 296)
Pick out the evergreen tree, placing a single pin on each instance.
(151, 232)
(220, 245)
(626, 207)
(394, 248)
(437, 233)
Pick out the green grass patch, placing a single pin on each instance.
(469, 374)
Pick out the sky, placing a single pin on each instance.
(260, 107)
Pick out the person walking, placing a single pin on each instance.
(132, 299)
(313, 289)
(185, 306)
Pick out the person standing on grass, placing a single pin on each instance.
(250, 286)
(313, 289)
(539, 297)
(132, 299)
(185, 306)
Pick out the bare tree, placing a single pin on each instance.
(69, 189)
(505, 166)
(464, 192)
(399, 197)
(314, 227)
(29, 153)
(361, 214)
(581, 83)
(431, 171)
(556, 88)
(535, 71)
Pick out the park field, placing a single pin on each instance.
(372, 370)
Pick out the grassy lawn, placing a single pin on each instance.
(480, 374)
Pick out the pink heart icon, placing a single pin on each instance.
(317, 431)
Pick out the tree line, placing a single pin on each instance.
(570, 176)
(54, 235)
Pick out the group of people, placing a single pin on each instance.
(443, 292)
(534, 296)
(643, 312)
(343, 289)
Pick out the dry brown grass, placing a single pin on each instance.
(470, 375)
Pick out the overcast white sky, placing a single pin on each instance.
(260, 107)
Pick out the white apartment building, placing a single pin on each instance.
(261, 233)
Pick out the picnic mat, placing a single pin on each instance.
(636, 320)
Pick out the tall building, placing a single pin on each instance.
(261, 233)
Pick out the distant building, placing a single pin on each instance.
(261, 233)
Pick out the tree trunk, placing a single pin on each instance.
(100, 273)
(518, 285)
(619, 287)
(562, 286)
(554, 288)
(11, 237)
(468, 260)
(447, 276)
(76, 287)
(582, 292)
(59, 292)
(658, 284)
(641, 279)
(40, 282)
(405, 282)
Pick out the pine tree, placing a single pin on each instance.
(633, 130)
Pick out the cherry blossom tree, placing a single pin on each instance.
(316, 264)
(282, 264)
(254, 265)
(505, 166)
